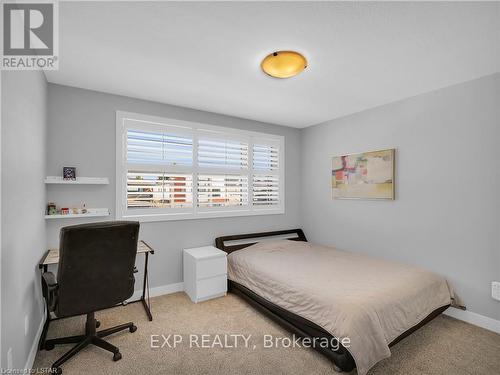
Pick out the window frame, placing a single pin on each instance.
(156, 123)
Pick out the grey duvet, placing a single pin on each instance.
(367, 300)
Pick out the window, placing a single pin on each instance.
(171, 170)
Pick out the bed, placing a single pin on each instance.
(333, 294)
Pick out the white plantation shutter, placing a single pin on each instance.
(159, 190)
(222, 153)
(155, 161)
(171, 170)
(222, 190)
(159, 148)
(223, 171)
(265, 157)
(266, 175)
(266, 190)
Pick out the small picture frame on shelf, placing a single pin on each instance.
(69, 173)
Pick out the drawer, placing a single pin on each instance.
(211, 267)
(210, 287)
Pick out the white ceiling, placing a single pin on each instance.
(206, 55)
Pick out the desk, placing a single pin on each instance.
(52, 257)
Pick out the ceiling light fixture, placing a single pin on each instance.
(283, 64)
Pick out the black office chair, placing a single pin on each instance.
(96, 271)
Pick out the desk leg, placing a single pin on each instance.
(144, 285)
(44, 332)
(47, 319)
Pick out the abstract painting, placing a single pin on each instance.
(368, 175)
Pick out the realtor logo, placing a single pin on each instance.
(29, 36)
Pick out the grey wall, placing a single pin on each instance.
(24, 103)
(446, 216)
(81, 133)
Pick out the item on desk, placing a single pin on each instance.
(84, 209)
(75, 210)
(69, 173)
(64, 211)
(51, 209)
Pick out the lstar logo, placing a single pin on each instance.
(29, 36)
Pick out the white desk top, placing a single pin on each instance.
(205, 252)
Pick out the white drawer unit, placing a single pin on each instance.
(205, 273)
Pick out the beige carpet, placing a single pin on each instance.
(444, 346)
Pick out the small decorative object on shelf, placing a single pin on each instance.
(51, 209)
(54, 212)
(69, 173)
(68, 213)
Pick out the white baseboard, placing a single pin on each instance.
(34, 346)
(160, 290)
(475, 319)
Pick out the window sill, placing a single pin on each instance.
(200, 215)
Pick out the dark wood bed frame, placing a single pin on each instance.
(292, 322)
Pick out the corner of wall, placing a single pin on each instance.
(24, 122)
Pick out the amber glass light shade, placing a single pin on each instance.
(283, 64)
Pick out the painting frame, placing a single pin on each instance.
(390, 190)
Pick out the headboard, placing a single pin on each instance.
(240, 241)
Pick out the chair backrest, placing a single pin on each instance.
(96, 266)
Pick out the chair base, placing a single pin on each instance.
(91, 337)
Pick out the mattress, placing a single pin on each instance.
(364, 301)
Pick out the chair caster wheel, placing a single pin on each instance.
(117, 356)
(56, 370)
(49, 346)
(97, 324)
(133, 328)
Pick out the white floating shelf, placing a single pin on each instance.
(78, 181)
(95, 212)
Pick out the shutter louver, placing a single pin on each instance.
(159, 190)
(265, 157)
(222, 190)
(265, 190)
(222, 153)
(265, 181)
(159, 148)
